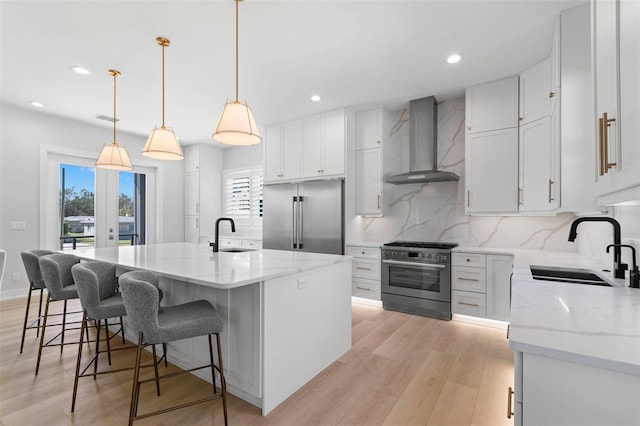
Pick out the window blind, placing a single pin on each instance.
(243, 195)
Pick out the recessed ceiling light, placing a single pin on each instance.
(454, 59)
(316, 98)
(81, 70)
(37, 104)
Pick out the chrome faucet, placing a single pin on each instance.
(216, 244)
(618, 266)
(634, 274)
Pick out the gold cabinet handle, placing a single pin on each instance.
(360, 267)
(469, 304)
(378, 200)
(363, 288)
(467, 279)
(519, 197)
(509, 407)
(550, 183)
(468, 198)
(606, 123)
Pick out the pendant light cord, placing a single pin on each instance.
(237, 2)
(163, 46)
(115, 75)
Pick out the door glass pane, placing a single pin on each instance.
(77, 200)
(131, 208)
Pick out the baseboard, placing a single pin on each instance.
(363, 301)
(481, 321)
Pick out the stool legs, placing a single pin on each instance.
(44, 327)
(26, 317)
(223, 382)
(78, 362)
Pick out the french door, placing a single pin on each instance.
(86, 206)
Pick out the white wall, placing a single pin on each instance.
(243, 156)
(22, 135)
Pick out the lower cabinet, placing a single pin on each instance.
(366, 272)
(481, 285)
(240, 243)
(550, 391)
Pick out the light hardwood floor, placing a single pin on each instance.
(402, 370)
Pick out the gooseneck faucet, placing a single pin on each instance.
(618, 266)
(216, 244)
(634, 274)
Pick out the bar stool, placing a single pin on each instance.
(154, 324)
(36, 282)
(97, 287)
(56, 271)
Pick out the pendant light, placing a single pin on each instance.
(236, 125)
(114, 156)
(163, 143)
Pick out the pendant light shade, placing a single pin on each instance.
(237, 125)
(114, 156)
(163, 143)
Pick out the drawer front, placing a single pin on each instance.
(366, 268)
(477, 260)
(368, 252)
(468, 303)
(469, 279)
(229, 242)
(253, 244)
(368, 289)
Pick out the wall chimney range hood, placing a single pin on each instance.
(423, 146)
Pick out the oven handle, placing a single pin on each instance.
(415, 264)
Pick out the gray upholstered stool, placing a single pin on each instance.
(97, 287)
(36, 282)
(155, 324)
(56, 272)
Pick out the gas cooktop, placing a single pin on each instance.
(421, 244)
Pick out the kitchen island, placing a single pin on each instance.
(287, 314)
(577, 346)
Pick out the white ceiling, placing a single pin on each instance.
(353, 53)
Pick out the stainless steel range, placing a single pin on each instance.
(416, 278)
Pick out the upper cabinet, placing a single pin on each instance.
(370, 134)
(536, 94)
(492, 106)
(307, 148)
(616, 66)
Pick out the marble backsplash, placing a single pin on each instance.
(435, 211)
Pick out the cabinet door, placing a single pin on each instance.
(272, 153)
(492, 171)
(192, 194)
(191, 229)
(605, 49)
(499, 270)
(369, 129)
(535, 92)
(333, 143)
(192, 159)
(492, 106)
(628, 171)
(292, 135)
(537, 182)
(369, 181)
(312, 147)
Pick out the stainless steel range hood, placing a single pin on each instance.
(423, 146)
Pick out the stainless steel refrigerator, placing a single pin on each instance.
(306, 216)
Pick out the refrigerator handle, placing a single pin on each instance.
(300, 222)
(294, 228)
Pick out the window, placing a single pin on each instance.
(243, 195)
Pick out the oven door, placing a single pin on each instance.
(423, 280)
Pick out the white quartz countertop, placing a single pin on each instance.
(588, 324)
(197, 263)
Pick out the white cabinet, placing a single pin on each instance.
(202, 190)
(366, 272)
(324, 145)
(492, 106)
(551, 391)
(282, 151)
(307, 148)
(536, 94)
(371, 128)
(616, 37)
(226, 242)
(491, 163)
(481, 285)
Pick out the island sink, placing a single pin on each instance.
(567, 275)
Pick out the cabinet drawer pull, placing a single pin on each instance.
(509, 407)
(467, 279)
(363, 268)
(378, 201)
(606, 123)
(550, 183)
(363, 288)
(469, 304)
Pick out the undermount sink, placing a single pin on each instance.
(236, 250)
(567, 275)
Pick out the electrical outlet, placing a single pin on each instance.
(16, 276)
(18, 226)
